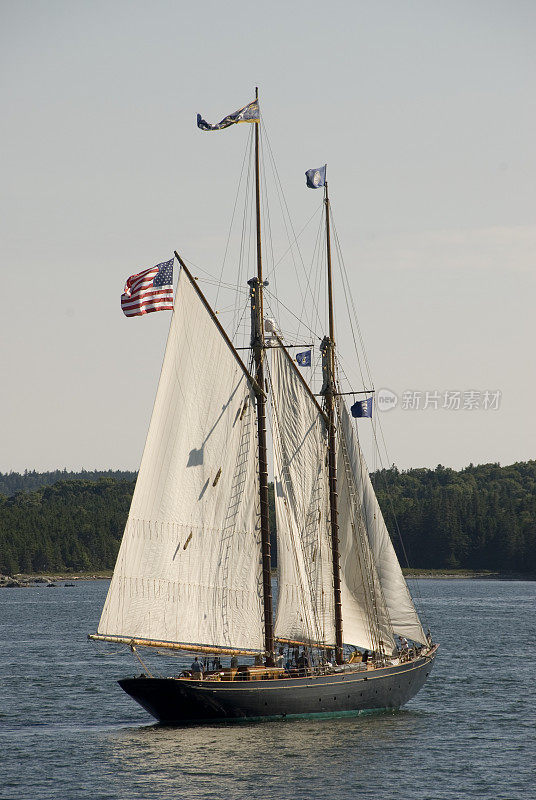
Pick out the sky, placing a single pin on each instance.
(425, 114)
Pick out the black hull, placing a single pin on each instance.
(179, 700)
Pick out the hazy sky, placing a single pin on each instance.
(425, 113)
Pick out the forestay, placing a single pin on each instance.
(189, 567)
(402, 613)
(305, 598)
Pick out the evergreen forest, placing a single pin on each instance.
(479, 518)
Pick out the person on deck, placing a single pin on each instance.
(404, 647)
(196, 669)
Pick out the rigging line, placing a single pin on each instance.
(226, 309)
(321, 272)
(282, 200)
(317, 259)
(266, 215)
(241, 318)
(247, 210)
(281, 192)
(291, 245)
(356, 317)
(216, 282)
(266, 206)
(212, 280)
(278, 195)
(246, 148)
(267, 291)
(348, 294)
(345, 292)
(287, 217)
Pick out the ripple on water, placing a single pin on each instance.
(67, 730)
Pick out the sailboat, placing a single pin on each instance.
(194, 569)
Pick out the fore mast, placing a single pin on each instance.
(258, 347)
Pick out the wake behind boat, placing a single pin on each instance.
(193, 573)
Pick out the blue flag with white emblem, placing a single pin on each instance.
(363, 408)
(249, 113)
(304, 359)
(316, 177)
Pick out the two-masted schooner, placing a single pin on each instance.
(194, 571)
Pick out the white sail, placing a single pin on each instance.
(305, 584)
(364, 614)
(189, 568)
(402, 613)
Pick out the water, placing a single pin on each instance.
(68, 731)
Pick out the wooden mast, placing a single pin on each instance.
(328, 367)
(257, 344)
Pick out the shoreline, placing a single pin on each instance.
(44, 578)
(465, 574)
(33, 579)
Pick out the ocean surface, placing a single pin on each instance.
(68, 731)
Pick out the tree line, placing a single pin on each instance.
(479, 518)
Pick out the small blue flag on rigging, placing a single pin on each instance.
(249, 113)
(304, 359)
(316, 177)
(363, 408)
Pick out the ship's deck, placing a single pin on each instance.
(247, 672)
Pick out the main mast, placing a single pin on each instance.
(328, 369)
(258, 347)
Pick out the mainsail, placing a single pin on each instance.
(188, 570)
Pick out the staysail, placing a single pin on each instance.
(305, 584)
(364, 613)
(402, 614)
(189, 570)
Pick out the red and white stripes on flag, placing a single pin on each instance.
(150, 290)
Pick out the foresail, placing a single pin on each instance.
(188, 570)
(402, 613)
(305, 585)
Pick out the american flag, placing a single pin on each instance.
(150, 290)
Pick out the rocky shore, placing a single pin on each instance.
(22, 581)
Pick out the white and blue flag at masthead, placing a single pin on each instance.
(316, 177)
